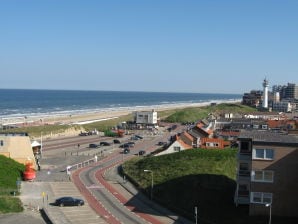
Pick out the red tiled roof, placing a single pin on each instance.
(186, 146)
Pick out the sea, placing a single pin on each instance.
(27, 103)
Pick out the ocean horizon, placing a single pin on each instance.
(37, 102)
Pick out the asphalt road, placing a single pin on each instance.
(61, 152)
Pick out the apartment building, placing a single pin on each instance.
(146, 117)
(267, 173)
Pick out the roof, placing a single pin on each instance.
(182, 143)
(269, 137)
(229, 133)
(35, 144)
(187, 135)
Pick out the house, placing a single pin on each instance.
(228, 135)
(213, 143)
(188, 139)
(17, 146)
(176, 146)
(241, 124)
(267, 173)
(265, 115)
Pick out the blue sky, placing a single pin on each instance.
(147, 45)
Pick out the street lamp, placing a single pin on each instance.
(151, 192)
(270, 206)
(196, 214)
(41, 145)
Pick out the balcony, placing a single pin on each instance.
(244, 175)
(244, 156)
(242, 197)
(242, 200)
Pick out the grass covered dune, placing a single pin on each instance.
(197, 177)
(8, 202)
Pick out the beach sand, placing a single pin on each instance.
(95, 116)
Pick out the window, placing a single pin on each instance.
(211, 144)
(177, 149)
(262, 176)
(260, 197)
(266, 154)
(1, 142)
(256, 126)
(264, 126)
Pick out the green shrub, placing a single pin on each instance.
(10, 204)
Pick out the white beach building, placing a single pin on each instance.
(146, 117)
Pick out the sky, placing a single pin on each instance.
(218, 46)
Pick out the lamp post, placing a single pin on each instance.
(270, 206)
(41, 145)
(196, 214)
(151, 192)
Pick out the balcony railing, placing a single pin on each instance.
(244, 173)
(244, 156)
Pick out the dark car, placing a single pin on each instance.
(142, 152)
(93, 146)
(138, 136)
(161, 143)
(69, 201)
(104, 144)
(131, 144)
(127, 145)
(116, 141)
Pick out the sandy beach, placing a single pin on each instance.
(95, 116)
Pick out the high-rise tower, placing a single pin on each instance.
(265, 93)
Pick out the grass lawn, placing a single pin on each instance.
(8, 202)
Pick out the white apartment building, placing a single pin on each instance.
(146, 117)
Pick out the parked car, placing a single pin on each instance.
(134, 138)
(84, 133)
(142, 152)
(116, 141)
(138, 136)
(69, 201)
(127, 145)
(132, 144)
(104, 144)
(93, 146)
(162, 143)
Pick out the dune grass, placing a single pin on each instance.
(194, 114)
(8, 185)
(197, 177)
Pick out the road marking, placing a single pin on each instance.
(94, 186)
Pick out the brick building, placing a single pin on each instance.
(267, 173)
